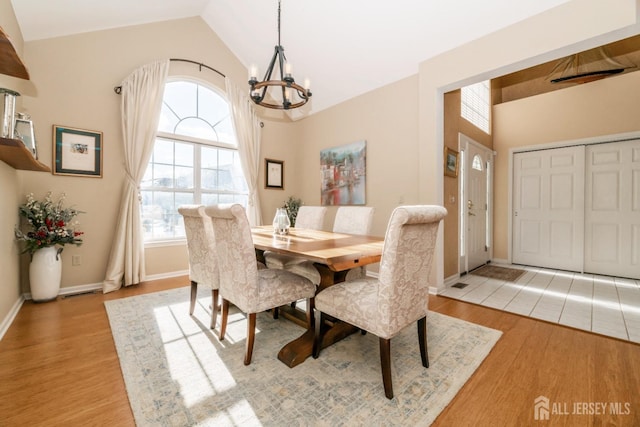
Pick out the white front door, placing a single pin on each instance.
(548, 208)
(612, 209)
(475, 204)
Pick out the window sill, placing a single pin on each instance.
(164, 243)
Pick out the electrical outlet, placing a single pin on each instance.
(76, 260)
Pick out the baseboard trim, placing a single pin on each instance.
(10, 317)
(167, 275)
(92, 287)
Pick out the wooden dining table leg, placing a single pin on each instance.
(298, 350)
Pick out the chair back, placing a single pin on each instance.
(353, 220)
(203, 261)
(406, 261)
(311, 217)
(236, 254)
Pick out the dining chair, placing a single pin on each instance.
(399, 296)
(311, 218)
(348, 220)
(203, 261)
(250, 289)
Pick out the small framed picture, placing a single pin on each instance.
(24, 132)
(274, 174)
(77, 152)
(450, 162)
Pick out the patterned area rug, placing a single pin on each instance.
(499, 273)
(177, 372)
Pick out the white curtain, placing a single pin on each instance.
(247, 125)
(142, 93)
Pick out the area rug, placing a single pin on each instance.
(499, 273)
(178, 373)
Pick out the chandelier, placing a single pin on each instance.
(282, 94)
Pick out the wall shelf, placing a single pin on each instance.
(15, 154)
(10, 62)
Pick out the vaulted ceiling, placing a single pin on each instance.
(345, 47)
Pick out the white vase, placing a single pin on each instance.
(45, 273)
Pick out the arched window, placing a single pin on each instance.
(477, 163)
(195, 159)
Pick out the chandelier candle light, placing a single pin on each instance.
(284, 90)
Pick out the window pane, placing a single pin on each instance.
(209, 199)
(163, 151)
(162, 176)
(211, 106)
(184, 154)
(181, 97)
(168, 119)
(209, 157)
(209, 179)
(184, 177)
(196, 127)
(476, 104)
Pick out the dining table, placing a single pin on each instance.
(333, 255)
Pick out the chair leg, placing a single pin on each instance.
(385, 362)
(251, 335)
(214, 308)
(422, 340)
(317, 334)
(225, 314)
(275, 312)
(194, 294)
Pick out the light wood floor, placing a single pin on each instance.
(58, 366)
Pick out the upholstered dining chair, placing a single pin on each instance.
(399, 296)
(250, 289)
(203, 261)
(310, 218)
(348, 220)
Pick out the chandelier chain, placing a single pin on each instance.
(279, 43)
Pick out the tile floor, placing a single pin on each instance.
(600, 304)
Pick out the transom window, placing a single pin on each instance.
(195, 159)
(476, 104)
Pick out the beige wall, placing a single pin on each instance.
(605, 107)
(387, 119)
(9, 183)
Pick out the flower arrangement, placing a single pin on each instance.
(291, 206)
(50, 224)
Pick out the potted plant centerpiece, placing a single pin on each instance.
(291, 207)
(51, 226)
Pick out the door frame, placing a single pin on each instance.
(603, 139)
(463, 142)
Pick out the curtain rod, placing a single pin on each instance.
(118, 89)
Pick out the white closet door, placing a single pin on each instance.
(548, 214)
(612, 209)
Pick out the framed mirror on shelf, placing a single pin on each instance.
(24, 132)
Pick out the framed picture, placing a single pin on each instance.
(450, 162)
(343, 174)
(77, 152)
(274, 174)
(24, 132)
